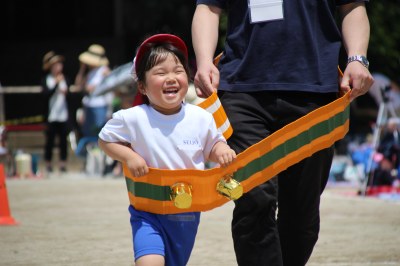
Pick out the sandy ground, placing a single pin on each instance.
(77, 220)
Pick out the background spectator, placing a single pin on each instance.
(94, 68)
(55, 87)
(96, 109)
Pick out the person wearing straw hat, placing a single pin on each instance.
(55, 87)
(94, 68)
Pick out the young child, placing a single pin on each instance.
(164, 133)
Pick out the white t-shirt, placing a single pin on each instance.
(179, 141)
(58, 110)
(94, 78)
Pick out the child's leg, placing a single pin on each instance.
(150, 260)
(165, 239)
(148, 243)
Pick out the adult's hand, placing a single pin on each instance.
(206, 80)
(356, 78)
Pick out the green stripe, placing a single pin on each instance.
(162, 193)
(145, 190)
(291, 145)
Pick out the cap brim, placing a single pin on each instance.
(160, 38)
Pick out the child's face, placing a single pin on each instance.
(166, 85)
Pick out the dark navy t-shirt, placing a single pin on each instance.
(297, 53)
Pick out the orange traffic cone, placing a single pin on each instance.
(5, 215)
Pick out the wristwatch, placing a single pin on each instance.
(360, 58)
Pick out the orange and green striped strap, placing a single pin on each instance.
(300, 139)
(213, 105)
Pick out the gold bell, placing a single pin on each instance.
(229, 187)
(181, 195)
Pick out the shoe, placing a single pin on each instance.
(49, 169)
(63, 169)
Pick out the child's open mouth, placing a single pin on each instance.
(170, 91)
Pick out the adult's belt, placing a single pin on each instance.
(178, 191)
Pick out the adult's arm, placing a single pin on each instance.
(355, 32)
(80, 78)
(205, 38)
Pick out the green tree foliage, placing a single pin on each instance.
(384, 46)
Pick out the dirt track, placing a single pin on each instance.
(76, 220)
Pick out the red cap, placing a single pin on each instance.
(160, 38)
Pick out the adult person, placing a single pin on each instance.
(279, 63)
(55, 88)
(93, 69)
(96, 109)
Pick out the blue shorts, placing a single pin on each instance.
(170, 235)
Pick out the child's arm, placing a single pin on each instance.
(221, 153)
(120, 152)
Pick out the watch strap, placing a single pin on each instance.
(359, 58)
